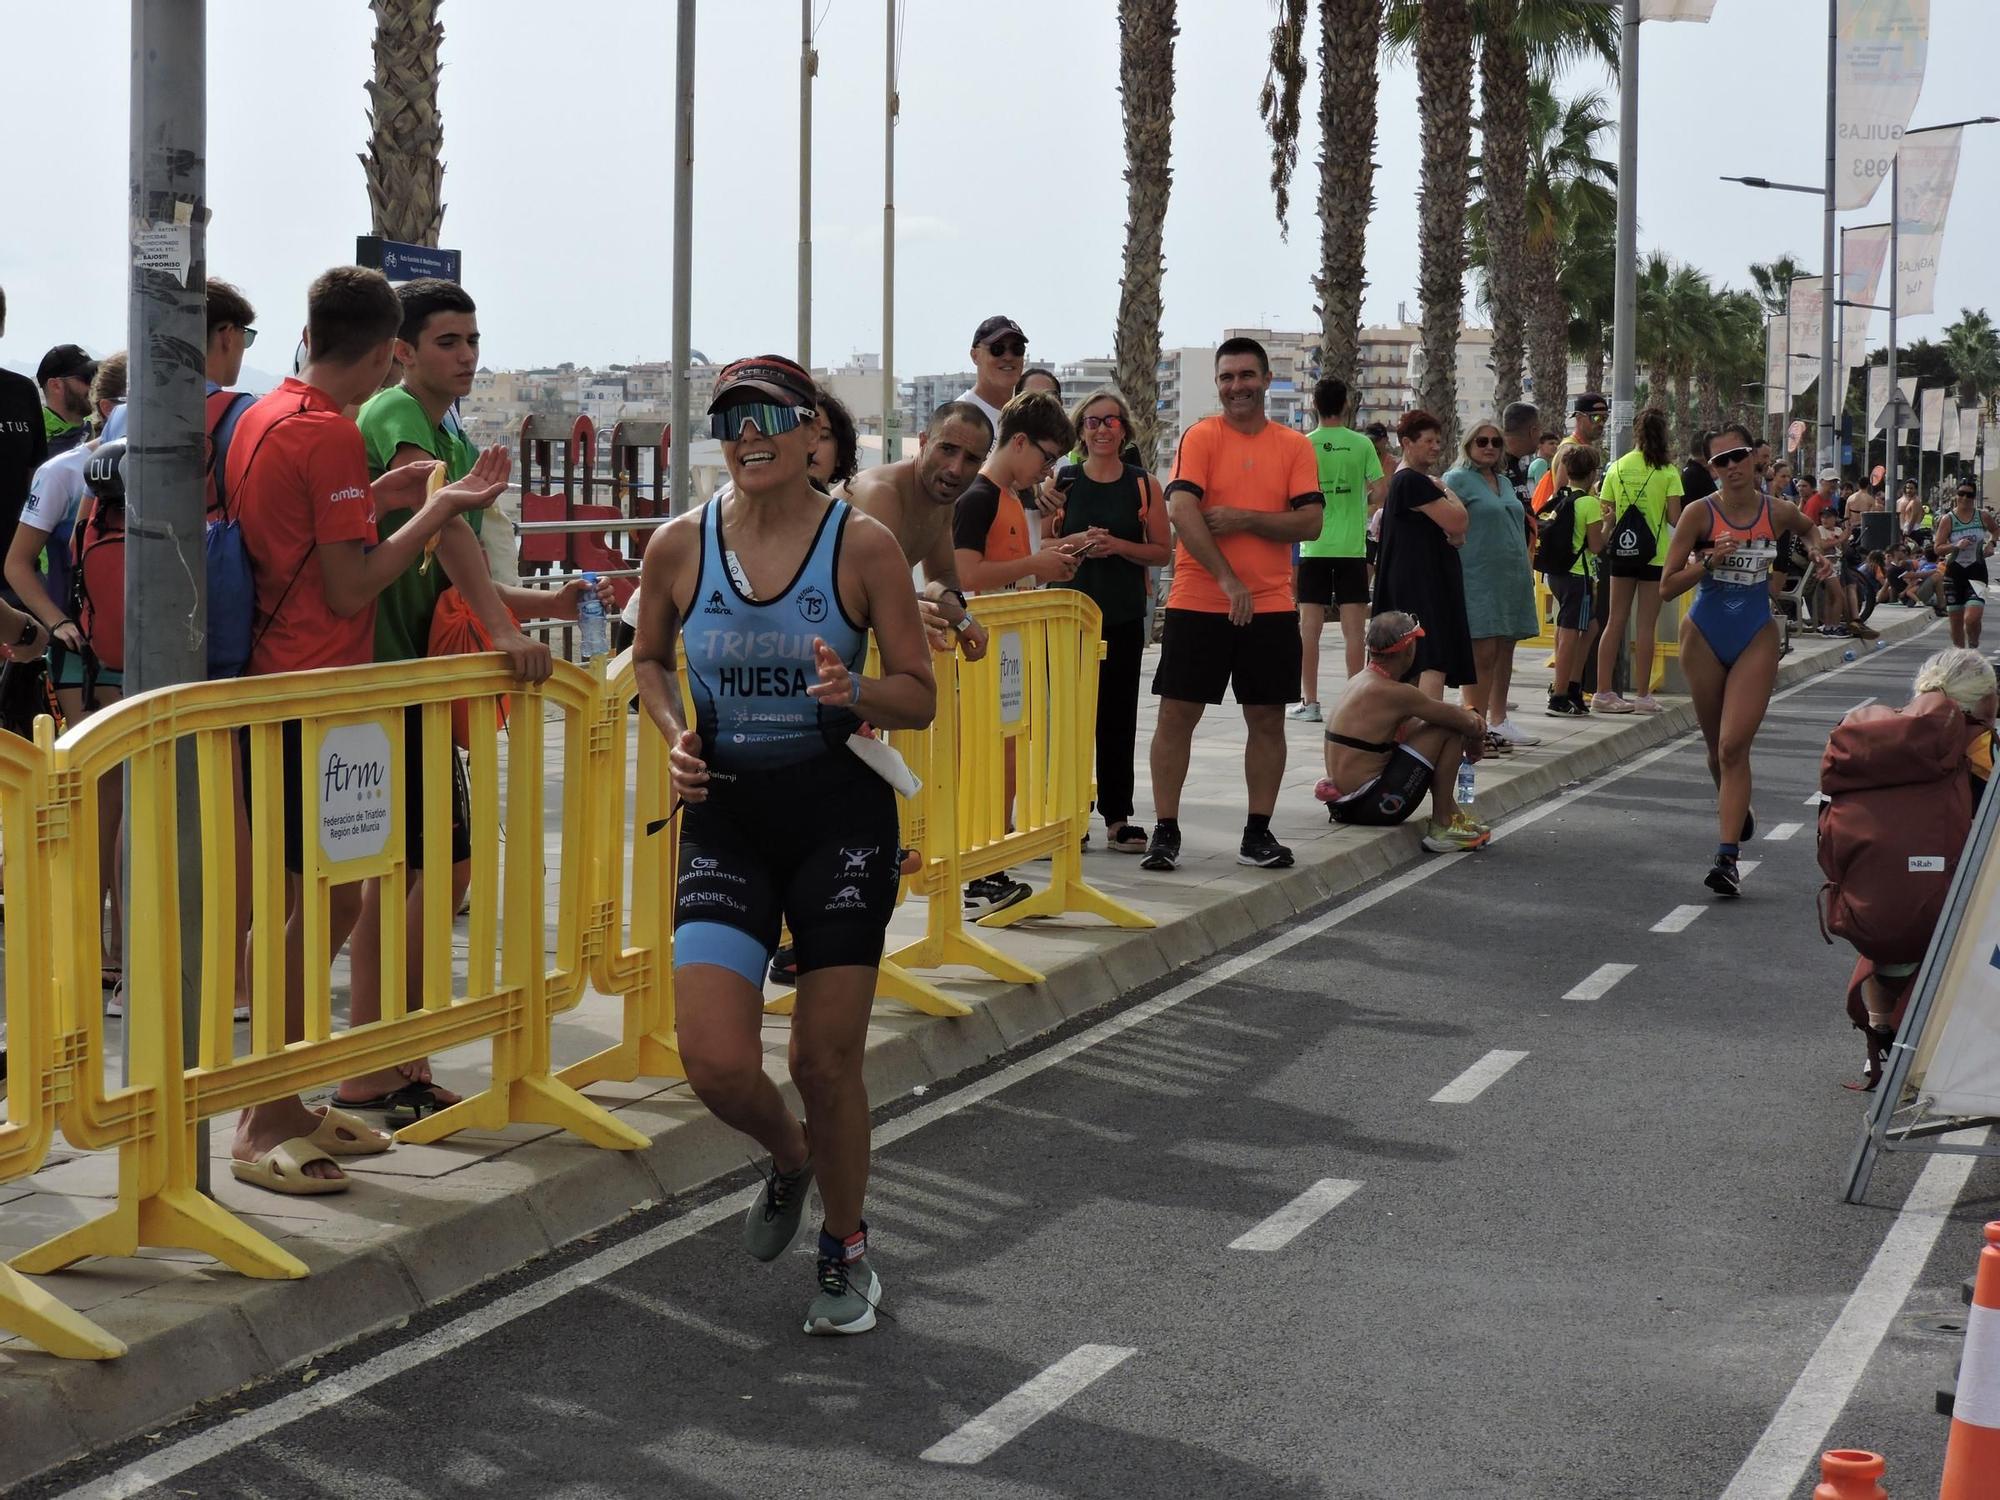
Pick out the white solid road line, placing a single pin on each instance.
(1783, 831)
(210, 1443)
(1799, 1430)
(1014, 1413)
(1289, 1222)
(1476, 1079)
(1678, 919)
(1600, 981)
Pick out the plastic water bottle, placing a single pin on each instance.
(1465, 785)
(592, 629)
(1848, 654)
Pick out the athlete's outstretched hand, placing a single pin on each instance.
(686, 769)
(835, 688)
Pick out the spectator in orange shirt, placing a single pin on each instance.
(1243, 490)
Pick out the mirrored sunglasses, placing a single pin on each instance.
(769, 419)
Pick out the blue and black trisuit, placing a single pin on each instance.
(796, 829)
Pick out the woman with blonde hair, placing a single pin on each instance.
(1117, 517)
(1499, 588)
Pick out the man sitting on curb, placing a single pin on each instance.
(1390, 740)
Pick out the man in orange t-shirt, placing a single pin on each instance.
(1244, 489)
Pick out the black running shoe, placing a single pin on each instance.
(1722, 877)
(994, 893)
(1262, 850)
(1164, 853)
(785, 966)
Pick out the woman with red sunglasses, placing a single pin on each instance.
(1113, 516)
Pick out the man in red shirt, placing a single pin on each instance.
(298, 471)
(1244, 489)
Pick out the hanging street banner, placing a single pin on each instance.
(1863, 253)
(1929, 168)
(1676, 10)
(1930, 418)
(1806, 314)
(1948, 440)
(1878, 395)
(1774, 367)
(1879, 52)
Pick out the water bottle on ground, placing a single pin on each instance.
(1465, 786)
(1848, 654)
(593, 631)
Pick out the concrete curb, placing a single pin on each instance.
(198, 1343)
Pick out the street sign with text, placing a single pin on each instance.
(401, 262)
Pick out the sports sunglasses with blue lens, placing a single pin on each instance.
(770, 419)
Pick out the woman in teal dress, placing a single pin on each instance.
(1499, 587)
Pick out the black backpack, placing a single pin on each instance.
(1555, 534)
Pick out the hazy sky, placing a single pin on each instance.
(558, 149)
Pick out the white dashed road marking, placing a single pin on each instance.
(1678, 919)
(1598, 983)
(1476, 1079)
(1014, 1413)
(1783, 831)
(1299, 1215)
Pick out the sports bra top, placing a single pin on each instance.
(1752, 549)
(750, 661)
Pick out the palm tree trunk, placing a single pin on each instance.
(1503, 128)
(1593, 365)
(1349, 45)
(1147, 29)
(1683, 428)
(1444, 92)
(1548, 336)
(406, 134)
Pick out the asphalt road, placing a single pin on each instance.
(1536, 1246)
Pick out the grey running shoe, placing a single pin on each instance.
(773, 1220)
(849, 1292)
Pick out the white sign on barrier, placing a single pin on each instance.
(1013, 678)
(356, 785)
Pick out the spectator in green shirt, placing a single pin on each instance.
(1333, 566)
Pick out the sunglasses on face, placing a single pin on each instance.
(1001, 348)
(1486, 442)
(1728, 458)
(1049, 460)
(249, 334)
(768, 418)
(1114, 422)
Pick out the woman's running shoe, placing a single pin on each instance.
(1723, 878)
(1645, 703)
(1608, 702)
(1514, 734)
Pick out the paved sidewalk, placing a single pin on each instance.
(425, 1222)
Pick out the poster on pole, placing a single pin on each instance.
(1864, 251)
(1878, 394)
(1929, 169)
(1930, 418)
(1678, 10)
(1774, 367)
(1808, 310)
(1878, 70)
(1948, 439)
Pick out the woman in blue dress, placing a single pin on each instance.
(1499, 586)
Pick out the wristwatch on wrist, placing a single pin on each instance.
(958, 595)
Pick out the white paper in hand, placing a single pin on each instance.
(883, 759)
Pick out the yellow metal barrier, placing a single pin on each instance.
(351, 750)
(37, 1073)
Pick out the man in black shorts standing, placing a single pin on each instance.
(1243, 490)
(1333, 566)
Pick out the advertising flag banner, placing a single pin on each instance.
(1677, 10)
(1879, 52)
(1774, 367)
(1930, 418)
(1948, 440)
(1863, 254)
(1878, 393)
(1807, 311)
(1929, 168)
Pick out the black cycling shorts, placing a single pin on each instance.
(1384, 802)
(811, 847)
(1202, 656)
(1331, 582)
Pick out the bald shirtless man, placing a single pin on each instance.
(914, 499)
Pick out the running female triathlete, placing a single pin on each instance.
(772, 591)
(1729, 640)
(1963, 542)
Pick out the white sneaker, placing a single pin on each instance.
(1305, 713)
(1514, 734)
(240, 1013)
(114, 1003)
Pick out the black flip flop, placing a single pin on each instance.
(414, 1100)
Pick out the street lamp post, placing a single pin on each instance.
(678, 497)
(1625, 289)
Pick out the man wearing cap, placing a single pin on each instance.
(1586, 427)
(64, 375)
(999, 354)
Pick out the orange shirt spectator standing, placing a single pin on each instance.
(1244, 489)
(298, 471)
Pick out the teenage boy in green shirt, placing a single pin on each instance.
(1333, 567)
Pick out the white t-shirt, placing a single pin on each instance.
(993, 416)
(56, 494)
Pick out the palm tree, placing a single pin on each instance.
(1774, 279)
(405, 132)
(1572, 214)
(1972, 346)
(1146, 29)
(1589, 291)
(1348, 81)
(1444, 93)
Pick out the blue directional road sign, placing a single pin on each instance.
(401, 262)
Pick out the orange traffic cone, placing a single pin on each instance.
(1972, 1454)
(1850, 1474)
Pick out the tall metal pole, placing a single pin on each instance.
(1894, 434)
(1829, 439)
(1625, 291)
(808, 66)
(166, 605)
(1785, 417)
(683, 251)
(892, 448)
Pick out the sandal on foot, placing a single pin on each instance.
(413, 1099)
(342, 1134)
(1129, 839)
(282, 1169)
